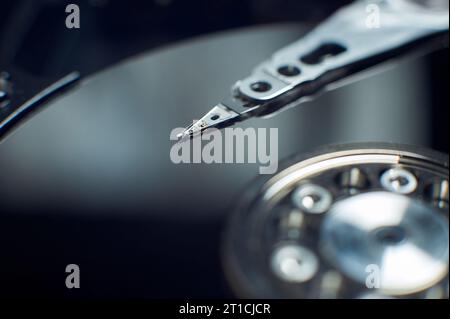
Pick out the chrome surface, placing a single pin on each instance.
(294, 263)
(406, 239)
(337, 52)
(399, 181)
(361, 43)
(312, 199)
(377, 224)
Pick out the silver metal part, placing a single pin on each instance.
(389, 239)
(346, 43)
(399, 181)
(5, 89)
(220, 114)
(438, 192)
(294, 263)
(292, 224)
(226, 113)
(355, 39)
(405, 241)
(312, 199)
(353, 179)
(22, 93)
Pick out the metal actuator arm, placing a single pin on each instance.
(354, 39)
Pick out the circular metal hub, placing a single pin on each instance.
(350, 222)
(404, 238)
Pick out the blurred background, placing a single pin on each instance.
(89, 180)
(113, 30)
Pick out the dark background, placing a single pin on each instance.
(120, 250)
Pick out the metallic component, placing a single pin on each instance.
(373, 243)
(292, 223)
(294, 263)
(399, 181)
(226, 113)
(5, 89)
(405, 239)
(344, 45)
(312, 199)
(33, 93)
(331, 284)
(353, 179)
(3, 95)
(220, 114)
(435, 293)
(374, 296)
(438, 193)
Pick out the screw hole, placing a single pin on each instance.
(392, 235)
(325, 51)
(289, 70)
(3, 96)
(261, 87)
